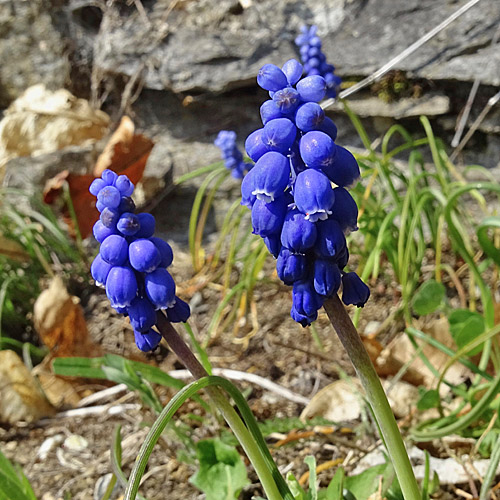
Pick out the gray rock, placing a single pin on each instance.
(214, 45)
(31, 50)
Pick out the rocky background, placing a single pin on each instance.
(183, 70)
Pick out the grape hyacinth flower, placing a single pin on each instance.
(298, 191)
(314, 59)
(132, 264)
(233, 159)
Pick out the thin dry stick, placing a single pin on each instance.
(403, 55)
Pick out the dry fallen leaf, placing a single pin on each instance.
(42, 121)
(59, 391)
(125, 153)
(21, 398)
(59, 320)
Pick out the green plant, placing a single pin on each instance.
(14, 485)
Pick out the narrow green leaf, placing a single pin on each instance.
(336, 486)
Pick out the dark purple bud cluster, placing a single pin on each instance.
(132, 264)
(297, 191)
(314, 60)
(233, 159)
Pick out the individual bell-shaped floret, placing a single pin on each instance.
(147, 341)
(344, 170)
(121, 286)
(270, 176)
(143, 255)
(279, 135)
(269, 111)
(273, 244)
(354, 291)
(298, 233)
(267, 218)
(109, 177)
(313, 195)
(109, 196)
(254, 145)
(101, 232)
(327, 277)
(126, 205)
(317, 149)
(329, 128)
(342, 258)
(304, 320)
(291, 267)
(142, 314)
(247, 188)
(345, 210)
(96, 186)
(312, 88)
(287, 100)
(160, 288)
(147, 225)
(124, 185)
(114, 250)
(128, 224)
(270, 77)
(330, 241)
(109, 217)
(166, 253)
(179, 312)
(100, 270)
(309, 116)
(293, 71)
(305, 299)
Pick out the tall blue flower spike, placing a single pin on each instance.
(314, 59)
(131, 263)
(232, 156)
(297, 190)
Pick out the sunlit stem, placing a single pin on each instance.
(241, 432)
(375, 394)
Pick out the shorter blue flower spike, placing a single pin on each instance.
(291, 267)
(327, 277)
(148, 341)
(160, 288)
(345, 210)
(270, 176)
(293, 71)
(121, 286)
(313, 195)
(144, 256)
(298, 233)
(354, 291)
(270, 77)
(279, 135)
(179, 312)
(233, 159)
(267, 218)
(142, 314)
(114, 250)
(128, 265)
(254, 145)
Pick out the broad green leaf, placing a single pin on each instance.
(428, 399)
(465, 326)
(428, 298)
(366, 483)
(222, 474)
(334, 490)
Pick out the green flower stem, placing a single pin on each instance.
(375, 394)
(241, 432)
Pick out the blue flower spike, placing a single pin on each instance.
(232, 156)
(298, 189)
(132, 264)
